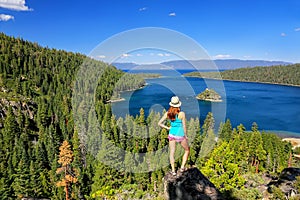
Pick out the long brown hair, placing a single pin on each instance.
(172, 112)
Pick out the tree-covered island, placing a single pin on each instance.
(209, 95)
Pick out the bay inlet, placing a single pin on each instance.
(273, 107)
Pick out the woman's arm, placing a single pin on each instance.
(161, 121)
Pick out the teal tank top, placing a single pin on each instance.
(176, 127)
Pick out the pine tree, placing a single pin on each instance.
(115, 130)
(105, 181)
(42, 114)
(20, 184)
(57, 193)
(36, 188)
(142, 177)
(106, 121)
(225, 131)
(208, 144)
(10, 132)
(153, 131)
(4, 189)
(194, 137)
(129, 132)
(141, 119)
(122, 134)
(65, 159)
(77, 166)
(209, 123)
(41, 155)
(45, 183)
(93, 137)
(163, 140)
(257, 152)
(221, 169)
(209, 138)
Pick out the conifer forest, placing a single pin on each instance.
(50, 146)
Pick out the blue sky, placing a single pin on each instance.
(242, 29)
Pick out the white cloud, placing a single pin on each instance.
(14, 5)
(101, 56)
(5, 18)
(297, 29)
(172, 14)
(139, 55)
(143, 9)
(220, 56)
(282, 34)
(125, 55)
(164, 54)
(247, 57)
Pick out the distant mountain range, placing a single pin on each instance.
(222, 64)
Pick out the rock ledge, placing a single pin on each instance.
(190, 185)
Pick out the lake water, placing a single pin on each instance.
(273, 107)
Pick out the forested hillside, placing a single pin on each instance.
(44, 154)
(282, 74)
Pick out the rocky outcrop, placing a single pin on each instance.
(190, 185)
(286, 182)
(26, 106)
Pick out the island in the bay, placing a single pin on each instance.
(209, 95)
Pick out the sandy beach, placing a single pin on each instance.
(294, 141)
(115, 100)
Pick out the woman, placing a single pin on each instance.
(177, 131)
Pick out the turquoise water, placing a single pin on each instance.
(272, 107)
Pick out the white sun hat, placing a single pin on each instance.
(175, 102)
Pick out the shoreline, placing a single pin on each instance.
(116, 100)
(210, 100)
(284, 134)
(221, 79)
(283, 84)
(123, 99)
(295, 142)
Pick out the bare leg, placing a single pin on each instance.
(186, 147)
(172, 145)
